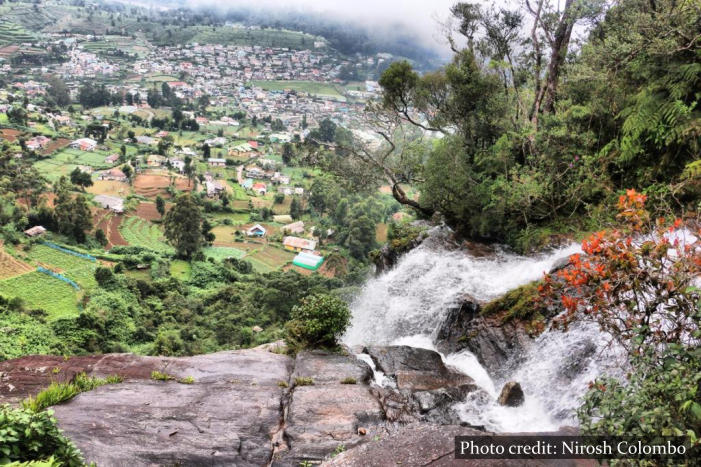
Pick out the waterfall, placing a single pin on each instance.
(405, 306)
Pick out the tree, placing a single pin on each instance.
(72, 215)
(80, 178)
(17, 115)
(183, 226)
(101, 237)
(128, 171)
(206, 151)
(287, 153)
(295, 209)
(361, 237)
(153, 98)
(58, 90)
(638, 284)
(317, 321)
(160, 205)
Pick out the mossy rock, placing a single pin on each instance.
(519, 303)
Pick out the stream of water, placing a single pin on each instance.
(406, 305)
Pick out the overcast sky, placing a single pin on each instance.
(422, 16)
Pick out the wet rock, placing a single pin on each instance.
(493, 341)
(426, 389)
(577, 359)
(415, 369)
(511, 395)
(457, 323)
(559, 264)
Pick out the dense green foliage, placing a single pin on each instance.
(23, 334)
(215, 309)
(538, 139)
(26, 435)
(659, 399)
(317, 321)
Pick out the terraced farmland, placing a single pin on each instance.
(37, 290)
(11, 266)
(12, 33)
(77, 269)
(139, 232)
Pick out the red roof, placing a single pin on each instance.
(253, 144)
(257, 186)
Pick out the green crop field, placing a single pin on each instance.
(53, 170)
(39, 290)
(75, 268)
(269, 258)
(311, 87)
(76, 156)
(140, 232)
(228, 35)
(219, 253)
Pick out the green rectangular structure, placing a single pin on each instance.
(308, 261)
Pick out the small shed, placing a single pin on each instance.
(35, 231)
(256, 231)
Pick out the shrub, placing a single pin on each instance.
(159, 376)
(26, 435)
(658, 400)
(304, 381)
(104, 276)
(283, 384)
(348, 380)
(638, 285)
(186, 380)
(61, 392)
(317, 321)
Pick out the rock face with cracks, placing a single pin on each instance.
(245, 408)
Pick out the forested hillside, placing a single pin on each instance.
(541, 133)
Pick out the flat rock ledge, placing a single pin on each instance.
(250, 407)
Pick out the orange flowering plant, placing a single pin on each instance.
(637, 281)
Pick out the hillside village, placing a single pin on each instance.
(132, 126)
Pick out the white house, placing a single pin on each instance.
(84, 144)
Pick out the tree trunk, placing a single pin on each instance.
(559, 52)
(402, 198)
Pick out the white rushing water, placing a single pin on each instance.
(406, 305)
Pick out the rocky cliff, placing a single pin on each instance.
(245, 408)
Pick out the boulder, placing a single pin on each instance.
(228, 416)
(426, 389)
(493, 341)
(511, 394)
